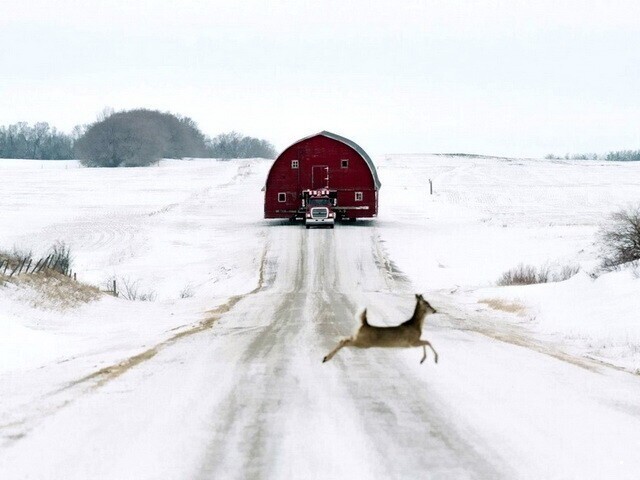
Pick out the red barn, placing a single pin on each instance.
(322, 161)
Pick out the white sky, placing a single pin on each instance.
(495, 77)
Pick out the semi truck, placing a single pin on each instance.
(318, 207)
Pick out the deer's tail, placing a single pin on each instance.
(363, 317)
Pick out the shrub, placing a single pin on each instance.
(524, 275)
(529, 275)
(620, 239)
(129, 289)
(61, 257)
(565, 273)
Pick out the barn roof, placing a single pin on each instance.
(351, 144)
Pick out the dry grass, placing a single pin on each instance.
(53, 290)
(498, 304)
(9, 261)
(48, 288)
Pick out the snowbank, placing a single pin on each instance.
(598, 316)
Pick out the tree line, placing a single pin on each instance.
(616, 156)
(39, 141)
(128, 138)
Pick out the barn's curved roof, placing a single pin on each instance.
(351, 144)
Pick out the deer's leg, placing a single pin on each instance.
(428, 344)
(343, 343)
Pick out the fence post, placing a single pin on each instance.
(430, 187)
(22, 265)
(26, 270)
(74, 277)
(115, 292)
(43, 264)
(36, 266)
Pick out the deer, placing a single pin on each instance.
(405, 335)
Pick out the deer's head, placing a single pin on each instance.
(424, 305)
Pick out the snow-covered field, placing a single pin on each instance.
(487, 216)
(171, 231)
(192, 233)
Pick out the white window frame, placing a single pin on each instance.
(359, 197)
(282, 197)
(295, 164)
(344, 163)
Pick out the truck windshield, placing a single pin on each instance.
(319, 201)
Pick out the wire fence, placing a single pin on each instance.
(55, 262)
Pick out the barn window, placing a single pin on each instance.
(294, 163)
(358, 196)
(282, 197)
(344, 163)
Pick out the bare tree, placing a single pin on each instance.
(21, 140)
(620, 239)
(236, 145)
(36, 137)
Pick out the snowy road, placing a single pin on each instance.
(250, 398)
(362, 415)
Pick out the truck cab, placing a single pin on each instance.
(318, 205)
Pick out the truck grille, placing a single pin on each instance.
(321, 212)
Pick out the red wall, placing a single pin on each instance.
(319, 151)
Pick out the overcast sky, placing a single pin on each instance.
(494, 77)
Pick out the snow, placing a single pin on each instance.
(596, 316)
(160, 229)
(489, 215)
(249, 397)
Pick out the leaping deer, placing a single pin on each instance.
(405, 335)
